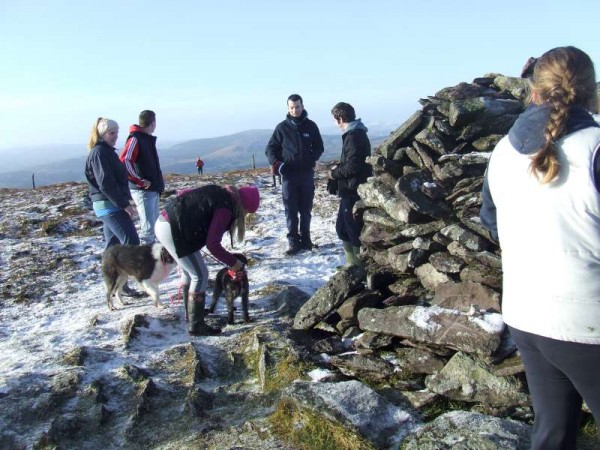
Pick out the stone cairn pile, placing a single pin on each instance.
(427, 321)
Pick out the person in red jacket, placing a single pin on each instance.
(143, 170)
(199, 165)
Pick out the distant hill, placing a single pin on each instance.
(235, 151)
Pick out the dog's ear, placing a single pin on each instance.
(241, 257)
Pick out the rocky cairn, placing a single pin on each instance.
(427, 321)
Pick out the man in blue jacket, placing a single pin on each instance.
(143, 170)
(293, 151)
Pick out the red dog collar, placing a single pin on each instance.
(237, 276)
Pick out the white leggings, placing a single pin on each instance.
(194, 271)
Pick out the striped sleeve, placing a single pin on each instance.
(129, 157)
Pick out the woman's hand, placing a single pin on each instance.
(130, 210)
(330, 172)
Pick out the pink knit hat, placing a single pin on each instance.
(250, 198)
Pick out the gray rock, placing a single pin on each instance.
(470, 240)
(342, 285)
(471, 257)
(517, 87)
(402, 261)
(487, 143)
(424, 157)
(411, 188)
(288, 302)
(372, 341)
(446, 263)
(461, 296)
(364, 367)
(364, 299)
(381, 164)
(466, 378)
(419, 361)
(433, 140)
(423, 229)
(380, 218)
(464, 91)
(388, 148)
(482, 274)
(374, 233)
(477, 108)
(462, 430)
(378, 194)
(346, 403)
(430, 277)
(436, 326)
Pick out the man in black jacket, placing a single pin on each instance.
(349, 173)
(143, 170)
(293, 150)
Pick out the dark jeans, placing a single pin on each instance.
(559, 374)
(298, 194)
(346, 227)
(119, 229)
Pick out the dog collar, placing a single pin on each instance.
(236, 275)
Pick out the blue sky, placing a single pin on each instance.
(218, 67)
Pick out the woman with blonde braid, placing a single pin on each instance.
(542, 203)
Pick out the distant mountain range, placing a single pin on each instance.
(58, 164)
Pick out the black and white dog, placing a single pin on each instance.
(149, 264)
(234, 284)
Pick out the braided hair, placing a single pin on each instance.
(562, 78)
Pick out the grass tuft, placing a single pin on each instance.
(306, 430)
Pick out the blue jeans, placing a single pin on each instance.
(119, 229)
(298, 193)
(147, 207)
(559, 375)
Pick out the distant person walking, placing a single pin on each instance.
(108, 190)
(200, 217)
(199, 165)
(293, 150)
(143, 169)
(352, 171)
(541, 201)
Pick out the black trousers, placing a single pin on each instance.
(345, 226)
(559, 375)
(298, 190)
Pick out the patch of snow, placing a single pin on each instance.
(490, 322)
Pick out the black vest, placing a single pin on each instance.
(191, 213)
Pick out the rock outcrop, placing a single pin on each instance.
(433, 273)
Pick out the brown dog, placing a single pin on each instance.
(234, 285)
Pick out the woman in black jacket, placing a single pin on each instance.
(108, 188)
(107, 183)
(200, 217)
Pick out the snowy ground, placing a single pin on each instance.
(34, 335)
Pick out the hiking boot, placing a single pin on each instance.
(128, 291)
(197, 326)
(294, 245)
(308, 245)
(186, 297)
(205, 330)
(293, 250)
